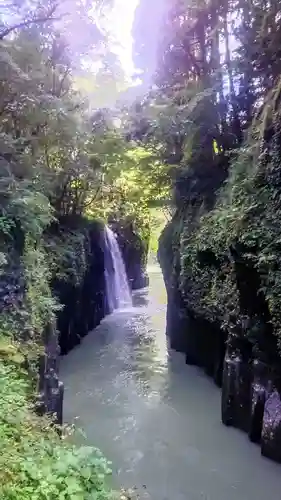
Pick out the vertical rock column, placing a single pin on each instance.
(51, 390)
(271, 425)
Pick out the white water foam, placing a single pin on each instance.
(117, 287)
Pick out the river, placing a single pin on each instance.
(155, 418)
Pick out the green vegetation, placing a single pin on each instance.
(35, 463)
(214, 117)
(159, 218)
(61, 161)
(202, 146)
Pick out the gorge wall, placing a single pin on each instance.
(78, 278)
(74, 255)
(81, 285)
(223, 296)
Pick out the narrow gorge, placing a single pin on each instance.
(154, 417)
(140, 268)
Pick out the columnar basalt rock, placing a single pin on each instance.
(259, 392)
(271, 425)
(50, 388)
(236, 387)
(82, 298)
(176, 317)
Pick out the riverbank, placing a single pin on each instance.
(35, 462)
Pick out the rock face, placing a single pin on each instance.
(82, 295)
(236, 387)
(78, 284)
(241, 356)
(176, 317)
(75, 249)
(50, 389)
(271, 425)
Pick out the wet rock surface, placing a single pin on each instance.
(51, 389)
(83, 300)
(236, 388)
(271, 425)
(156, 418)
(259, 386)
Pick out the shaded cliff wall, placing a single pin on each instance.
(50, 299)
(39, 349)
(76, 251)
(220, 257)
(230, 337)
(76, 254)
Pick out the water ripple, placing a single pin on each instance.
(156, 419)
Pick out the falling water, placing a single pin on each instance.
(116, 281)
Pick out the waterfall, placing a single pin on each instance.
(117, 287)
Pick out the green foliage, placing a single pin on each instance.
(35, 463)
(26, 213)
(39, 305)
(159, 218)
(207, 277)
(245, 219)
(215, 115)
(52, 164)
(45, 133)
(134, 178)
(66, 256)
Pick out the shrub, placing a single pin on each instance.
(35, 464)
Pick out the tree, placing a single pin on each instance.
(215, 106)
(45, 125)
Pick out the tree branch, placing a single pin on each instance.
(28, 22)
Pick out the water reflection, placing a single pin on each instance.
(155, 418)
